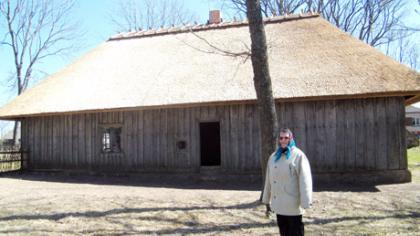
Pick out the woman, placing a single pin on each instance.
(288, 185)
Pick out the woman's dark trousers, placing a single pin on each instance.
(290, 225)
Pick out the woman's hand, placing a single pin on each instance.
(267, 210)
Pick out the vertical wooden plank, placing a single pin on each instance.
(225, 137)
(75, 143)
(47, 147)
(102, 117)
(350, 143)
(31, 141)
(135, 140)
(234, 139)
(402, 135)
(33, 148)
(241, 123)
(392, 120)
(310, 127)
(62, 140)
(140, 140)
(127, 139)
(381, 131)
(170, 144)
(248, 138)
(213, 113)
(186, 134)
(56, 141)
(40, 142)
(44, 142)
(81, 138)
(23, 138)
(50, 134)
(121, 159)
(288, 116)
(256, 131)
(341, 137)
(94, 146)
(195, 138)
(156, 138)
(35, 139)
(204, 113)
(371, 136)
(179, 154)
(319, 135)
(88, 138)
(330, 125)
(163, 137)
(112, 118)
(23, 133)
(281, 114)
(148, 139)
(120, 117)
(180, 160)
(299, 125)
(30, 145)
(67, 141)
(97, 141)
(360, 134)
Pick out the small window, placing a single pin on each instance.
(111, 140)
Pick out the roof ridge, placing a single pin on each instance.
(202, 27)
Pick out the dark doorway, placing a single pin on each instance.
(210, 143)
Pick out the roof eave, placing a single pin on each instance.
(410, 97)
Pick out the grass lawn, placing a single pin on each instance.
(413, 155)
(40, 204)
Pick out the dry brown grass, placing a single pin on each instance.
(60, 205)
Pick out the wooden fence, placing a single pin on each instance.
(12, 158)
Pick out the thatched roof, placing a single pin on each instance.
(309, 59)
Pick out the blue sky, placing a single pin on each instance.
(94, 17)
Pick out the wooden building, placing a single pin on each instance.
(173, 100)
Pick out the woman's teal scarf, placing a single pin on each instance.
(287, 150)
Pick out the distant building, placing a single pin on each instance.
(412, 121)
(6, 136)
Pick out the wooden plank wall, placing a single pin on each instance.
(336, 135)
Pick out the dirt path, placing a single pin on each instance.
(60, 205)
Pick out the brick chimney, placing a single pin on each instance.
(214, 17)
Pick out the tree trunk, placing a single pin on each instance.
(262, 82)
(15, 130)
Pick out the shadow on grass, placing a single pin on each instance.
(179, 181)
(115, 217)
(321, 221)
(226, 229)
(187, 226)
(118, 211)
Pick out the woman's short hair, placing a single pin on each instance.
(286, 131)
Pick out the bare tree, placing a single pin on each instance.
(374, 22)
(35, 30)
(145, 14)
(405, 51)
(272, 7)
(262, 82)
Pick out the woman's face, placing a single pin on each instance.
(284, 139)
